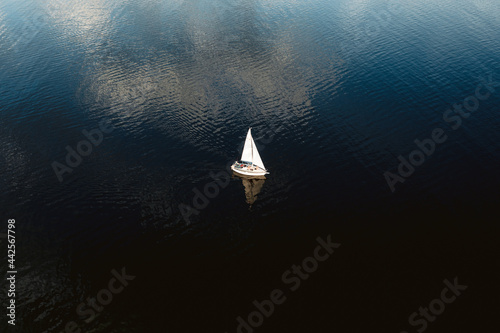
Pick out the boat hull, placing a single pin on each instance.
(247, 171)
(245, 177)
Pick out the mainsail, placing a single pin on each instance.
(250, 152)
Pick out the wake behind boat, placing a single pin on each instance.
(250, 163)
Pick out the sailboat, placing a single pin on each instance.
(250, 163)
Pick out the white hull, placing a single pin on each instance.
(249, 171)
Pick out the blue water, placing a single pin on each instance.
(335, 91)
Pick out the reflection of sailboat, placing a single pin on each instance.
(252, 188)
(250, 164)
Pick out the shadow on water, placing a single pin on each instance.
(253, 186)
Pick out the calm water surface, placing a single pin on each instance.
(334, 90)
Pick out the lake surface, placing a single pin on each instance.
(335, 91)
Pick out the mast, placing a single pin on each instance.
(252, 149)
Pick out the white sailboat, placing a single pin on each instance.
(250, 163)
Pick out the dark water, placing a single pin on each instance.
(334, 90)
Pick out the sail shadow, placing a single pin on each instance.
(252, 185)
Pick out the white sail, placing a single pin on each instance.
(256, 157)
(250, 152)
(246, 155)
